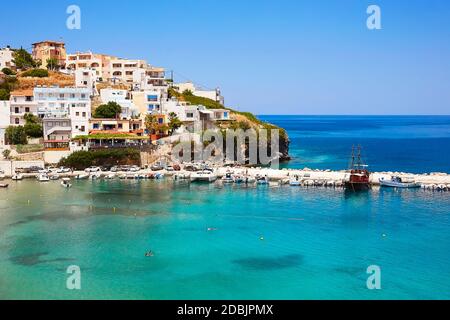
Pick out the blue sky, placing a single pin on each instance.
(268, 57)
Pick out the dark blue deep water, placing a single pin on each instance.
(414, 144)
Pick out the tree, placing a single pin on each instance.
(8, 71)
(52, 64)
(23, 60)
(6, 154)
(37, 73)
(110, 110)
(187, 92)
(151, 123)
(33, 127)
(4, 94)
(174, 122)
(15, 135)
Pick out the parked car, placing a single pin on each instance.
(63, 170)
(134, 169)
(156, 167)
(115, 169)
(104, 168)
(92, 169)
(176, 167)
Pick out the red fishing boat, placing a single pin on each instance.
(359, 178)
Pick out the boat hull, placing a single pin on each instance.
(393, 184)
(357, 186)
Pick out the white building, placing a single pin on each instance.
(6, 58)
(122, 98)
(150, 78)
(5, 113)
(86, 78)
(21, 103)
(61, 103)
(197, 91)
(122, 69)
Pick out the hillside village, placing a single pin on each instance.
(54, 103)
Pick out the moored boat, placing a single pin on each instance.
(43, 177)
(17, 177)
(203, 176)
(397, 182)
(228, 178)
(4, 185)
(295, 181)
(359, 178)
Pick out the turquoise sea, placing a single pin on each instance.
(266, 242)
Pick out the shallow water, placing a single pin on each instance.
(270, 242)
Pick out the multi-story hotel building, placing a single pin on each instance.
(21, 103)
(44, 50)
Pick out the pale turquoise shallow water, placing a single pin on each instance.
(317, 242)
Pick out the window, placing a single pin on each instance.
(84, 114)
(151, 107)
(82, 128)
(120, 125)
(77, 114)
(16, 110)
(17, 121)
(76, 127)
(72, 95)
(62, 105)
(83, 95)
(27, 109)
(152, 98)
(225, 114)
(96, 126)
(61, 95)
(160, 120)
(189, 115)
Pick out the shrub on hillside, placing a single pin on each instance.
(37, 73)
(8, 71)
(82, 159)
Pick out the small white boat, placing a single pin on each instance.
(53, 177)
(4, 185)
(262, 180)
(82, 176)
(17, 177)
(2, 175)
(43, 178)
(66, 183)
(397, 182)
(203, 176)
(111, 176)
(295, 181)
(227, 178)
(96, 176)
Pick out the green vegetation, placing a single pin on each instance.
(4, 94)
(28, 148)
(6, 154)
(8, 71)
(52, 64)
(111, 110)
(23, 60)
(7, 86)
(33, 127)
(36, 73)
(153, 126)
(174, 122)
(82, 159)
(15, 135)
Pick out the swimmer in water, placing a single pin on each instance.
(149, 254)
